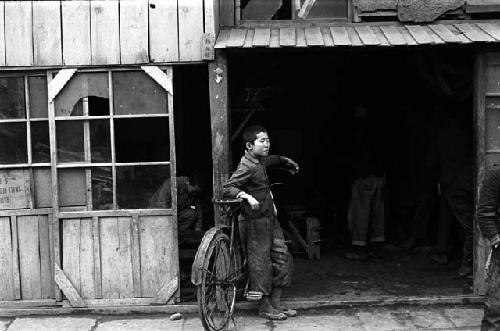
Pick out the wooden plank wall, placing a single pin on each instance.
(25, 258)
(99, 32)
(118, 257)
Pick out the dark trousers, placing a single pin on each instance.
(491, 318)
(366, 211)
(270, 263)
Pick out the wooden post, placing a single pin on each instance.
(479, 86)
(220, 119)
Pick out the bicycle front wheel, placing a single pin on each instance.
(217, 291)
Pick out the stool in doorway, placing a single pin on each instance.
(312, 238)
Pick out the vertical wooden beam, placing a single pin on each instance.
(220, 119)
(15, 259)
(479, 90)
(54, 218)
(212, 17)
(174, 257)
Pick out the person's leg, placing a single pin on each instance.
(463, 209)
(282, 269)
(259, 238)
(491, 318)
(358, 219)
(377, 220)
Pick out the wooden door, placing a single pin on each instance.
(26, 218)
(487, 125)
(113, 148)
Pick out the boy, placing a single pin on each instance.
(488, 220)
(270, 264)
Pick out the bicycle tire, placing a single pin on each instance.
(216, 293)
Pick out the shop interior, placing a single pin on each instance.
(402, 115)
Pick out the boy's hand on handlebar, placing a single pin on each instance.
(254, 203)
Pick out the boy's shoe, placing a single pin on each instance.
(377, 250)
(288, 312)
(358, 253)
(274, 315)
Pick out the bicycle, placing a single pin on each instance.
(219, 268)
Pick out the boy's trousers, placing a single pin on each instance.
(366, 211)
(270, 263)
(491, 318)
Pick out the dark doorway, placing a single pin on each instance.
(347, 114)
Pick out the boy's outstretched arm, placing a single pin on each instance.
(279, 161)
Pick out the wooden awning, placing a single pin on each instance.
(359, 35)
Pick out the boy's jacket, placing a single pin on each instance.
(251, 177)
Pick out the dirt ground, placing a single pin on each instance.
(400, 273)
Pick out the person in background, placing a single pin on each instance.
(189, 211)
(455, 187)
(366, 208)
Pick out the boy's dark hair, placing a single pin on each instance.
(250, 133)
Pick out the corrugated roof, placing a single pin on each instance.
(358, 35)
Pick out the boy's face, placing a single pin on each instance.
(261, 145)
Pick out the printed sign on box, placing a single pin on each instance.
(14, 189)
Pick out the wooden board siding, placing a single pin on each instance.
(190, 29)
(104, 32)
(163, 37)
(2, 34)
(76, 32)
(157, 253)
(6, 263)
(25, 258)
(115, 258)
(18, 33)
(134, 31)
(47, 44)
(100, 32)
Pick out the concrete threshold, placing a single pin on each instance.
(297, 303)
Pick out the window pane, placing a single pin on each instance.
(79, 86)
(12, 103)
(102, 188)
(40, 145)
(142, 140)
(100, 141)
(13, 143)
(137, 93)
(72, 187)
(70, 141)
(136, 185)
(38, 96)
(43, 187)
